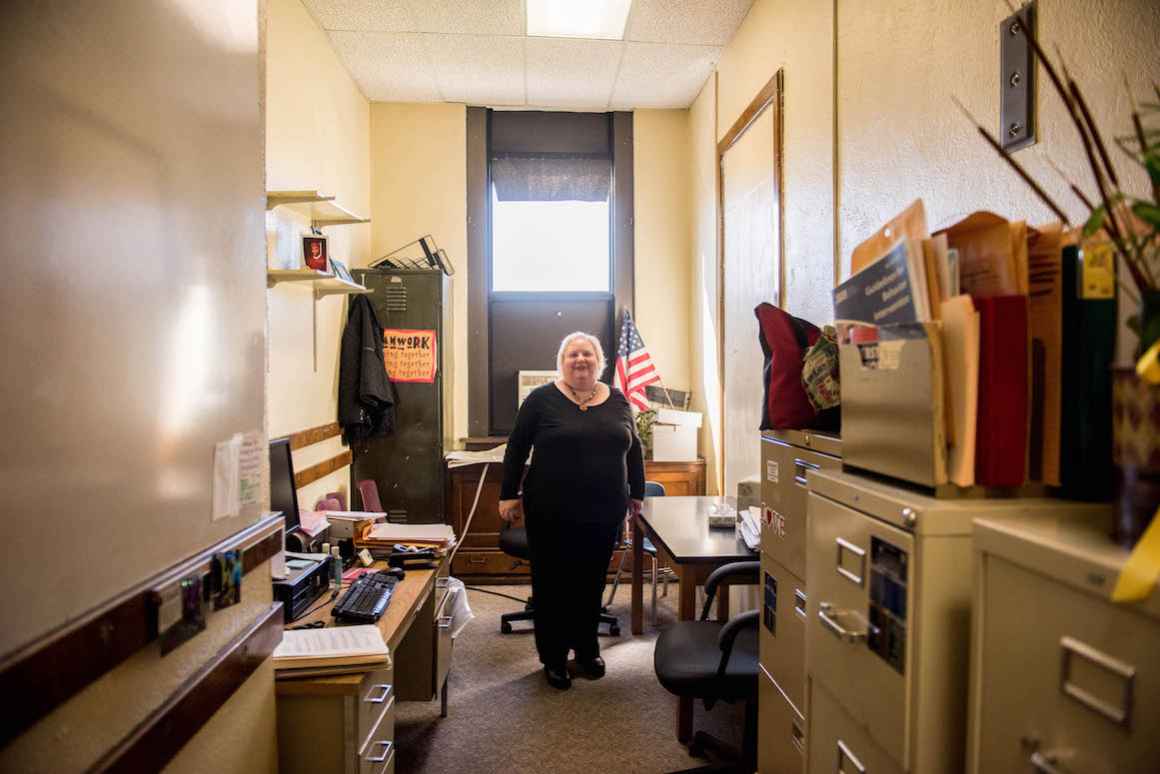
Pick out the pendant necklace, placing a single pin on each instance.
(582, 403)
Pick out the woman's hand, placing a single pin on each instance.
(511, 511)
(634, 507)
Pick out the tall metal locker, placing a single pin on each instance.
(415, 307)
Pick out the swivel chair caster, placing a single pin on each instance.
(505, 627)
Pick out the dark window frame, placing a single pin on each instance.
(479, 295)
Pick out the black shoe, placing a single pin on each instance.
(558, 677)
(592, 668)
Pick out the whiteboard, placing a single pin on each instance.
(133, 306)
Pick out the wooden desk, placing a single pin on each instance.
(346, 722)
(679, 528)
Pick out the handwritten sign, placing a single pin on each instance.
(410, 354)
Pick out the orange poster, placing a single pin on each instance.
(410, 355)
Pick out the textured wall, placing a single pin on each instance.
(795, 37)
(702, 128)
(317, 137)
(419, 186)
(900, 137)
(661, 212)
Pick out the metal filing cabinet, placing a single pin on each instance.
(788, 457)
(1062, 679)
(887, 636)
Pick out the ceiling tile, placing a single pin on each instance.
(388, 66)
(660, 76)
(361, 15)
(704, 22)
(573, 73)
(468, 17)
(477, 69)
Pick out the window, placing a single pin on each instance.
(556, 246)
(549, 244)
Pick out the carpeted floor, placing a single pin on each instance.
(504, 718)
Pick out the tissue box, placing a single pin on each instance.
(675, 435)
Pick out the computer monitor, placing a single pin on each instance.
(283, 495)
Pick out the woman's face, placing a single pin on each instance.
(579, 362)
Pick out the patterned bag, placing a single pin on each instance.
(820, 371)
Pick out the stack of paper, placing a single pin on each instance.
(332, 647)
(435, 536)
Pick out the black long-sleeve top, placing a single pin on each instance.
(583, 459)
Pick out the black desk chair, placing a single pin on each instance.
(714, 662)
(513, 541)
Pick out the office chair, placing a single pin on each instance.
(651, 489)
(370, 495)
(513, 541)
(715, 661)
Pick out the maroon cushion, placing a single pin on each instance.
(784, 341)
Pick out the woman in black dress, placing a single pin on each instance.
(587, 475)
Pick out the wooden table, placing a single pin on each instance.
(679, 528)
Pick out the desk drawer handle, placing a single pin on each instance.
(442, 583)
(385, 754)
(845, 755)
(799, 602)
(1120, 715)
(386, 691)
(829, 618)
(477, 560)
(800, 467)
(445, 621)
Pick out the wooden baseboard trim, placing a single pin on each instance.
(324, 468)
(157, 739)
(49, 671)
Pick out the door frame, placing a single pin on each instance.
(772, 94)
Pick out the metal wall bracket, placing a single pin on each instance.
(1017, 69)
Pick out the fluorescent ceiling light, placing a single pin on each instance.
(604, 19)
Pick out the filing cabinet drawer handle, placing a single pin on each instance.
(860, 554)
(829, 618)
(386, 753)
(799, 602)
(798, 736)
(845, 755)
(800, 467)
(1045, 764)
(1121, 715)
(386, 692)
(445, 622)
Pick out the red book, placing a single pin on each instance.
(1002, 427)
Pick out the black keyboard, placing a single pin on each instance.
(366, 599)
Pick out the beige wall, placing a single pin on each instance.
(661, 204)
(896, 135)
(702, 234)
(419, 186)
(317, 137)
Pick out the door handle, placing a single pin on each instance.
(829, 618)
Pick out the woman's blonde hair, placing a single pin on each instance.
(601, 363)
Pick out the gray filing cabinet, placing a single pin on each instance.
(787, 458)
(1062, 679)
(888, 629)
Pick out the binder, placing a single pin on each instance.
(1003, 421)
(1089, 344)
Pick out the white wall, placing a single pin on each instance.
(317, 137)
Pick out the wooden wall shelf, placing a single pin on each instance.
(320, 208)
(325, 283)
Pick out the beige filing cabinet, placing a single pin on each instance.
(344, 723)
(1062, 679)
(888, 630)
(787, 459)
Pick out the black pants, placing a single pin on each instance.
(569, 566)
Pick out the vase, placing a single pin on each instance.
(1136, 453)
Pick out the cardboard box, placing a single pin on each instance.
(675, 436)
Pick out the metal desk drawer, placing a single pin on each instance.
(376, 696)
(839, 744)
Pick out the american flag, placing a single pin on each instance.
(634, 367)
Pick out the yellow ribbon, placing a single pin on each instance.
(1142, 571)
